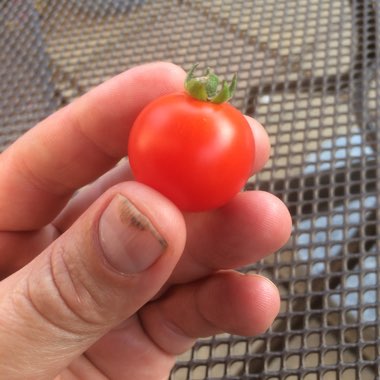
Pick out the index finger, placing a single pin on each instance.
(75, 145)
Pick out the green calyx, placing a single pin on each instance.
(207, 88)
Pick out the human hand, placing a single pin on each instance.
(113, 281)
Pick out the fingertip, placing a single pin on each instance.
(261, 217)
(174, 75)
(118, 101)
(262, 144)
(256, 300)
(279, 217)
(264, 301)
(273, 220)
(240, 304)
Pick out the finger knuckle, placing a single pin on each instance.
(64, 292)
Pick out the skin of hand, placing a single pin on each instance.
(113, 281)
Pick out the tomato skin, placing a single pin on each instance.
(198, 154)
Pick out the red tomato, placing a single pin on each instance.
(197, 153)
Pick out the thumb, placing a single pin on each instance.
(112, 261)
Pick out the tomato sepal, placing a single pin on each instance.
(205, 88)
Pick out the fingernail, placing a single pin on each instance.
(129, 240)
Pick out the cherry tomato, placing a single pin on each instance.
(197, 153)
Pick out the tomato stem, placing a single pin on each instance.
(205, 88)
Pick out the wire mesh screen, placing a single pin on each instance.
(309, 71)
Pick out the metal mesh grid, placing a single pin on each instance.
(309, 71)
